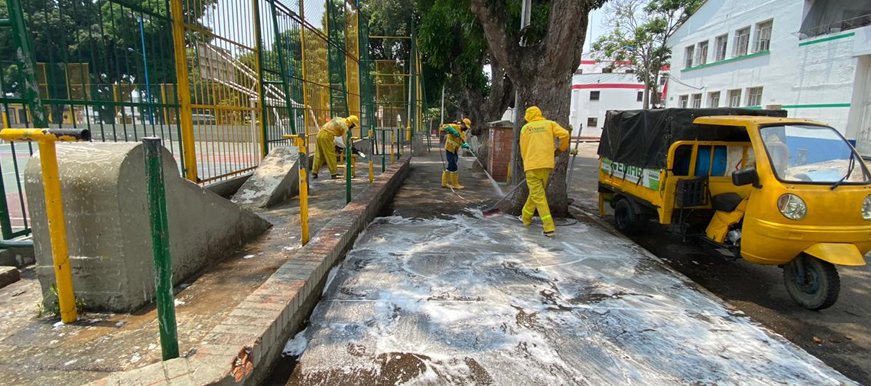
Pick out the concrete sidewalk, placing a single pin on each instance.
(431, 298)
(43, 351)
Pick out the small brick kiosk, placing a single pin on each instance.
(499, 154)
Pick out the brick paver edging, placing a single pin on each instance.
(243, 348)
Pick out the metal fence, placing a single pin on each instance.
(220, 81)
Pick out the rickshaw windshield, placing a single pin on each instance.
(812, 154)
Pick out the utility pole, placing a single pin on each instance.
(525, 15)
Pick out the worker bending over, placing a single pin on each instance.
(537, 151)
(455, 139)
(325, 147)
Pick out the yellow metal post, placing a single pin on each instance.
(305, 105)
(371, 157)
(184, 91)
(303, 185)
(57, 230)
(54, 207)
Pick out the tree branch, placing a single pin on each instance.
(563, 44)
(494, 30)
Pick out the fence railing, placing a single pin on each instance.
(220, 82)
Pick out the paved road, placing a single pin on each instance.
(450, 297)
(844, 330)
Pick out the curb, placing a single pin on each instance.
(245, 346)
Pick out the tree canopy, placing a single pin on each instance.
(638, 32)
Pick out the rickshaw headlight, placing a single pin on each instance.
(792, 206)
(866, 208)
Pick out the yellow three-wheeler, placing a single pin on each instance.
(774, 190)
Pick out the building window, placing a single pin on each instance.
(662, 79)
(754, 96)
(592, 122)
(763, 36)
(594, 95)
(640, 96)
(720, 54)
(702, 53)
(734, 98)
(607, 70)
(742, 40)
(688, 57)
(684, 101)
(697, 101)
(714, 99)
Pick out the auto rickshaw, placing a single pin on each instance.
(770, 189)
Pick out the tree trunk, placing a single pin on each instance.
(554, 100)
(542, 74)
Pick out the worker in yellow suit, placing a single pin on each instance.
(325, 146)
(538, 151)
(455, 139)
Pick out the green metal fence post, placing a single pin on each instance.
(160, 246)
(348, 144)
(264, 112)
(282, 64)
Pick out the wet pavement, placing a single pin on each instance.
(840, 335)
(438, 294)
(39, 350)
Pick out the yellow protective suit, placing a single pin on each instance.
(536, 180)
(453, 142)
(325, 147)
(537, 150)
(536, 140)
(720, 223)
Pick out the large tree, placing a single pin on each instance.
(455, 44)
(541, 69)
(638, 32)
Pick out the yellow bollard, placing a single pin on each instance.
(353, 166)
(371, 158)
(303, 186)
(54, 207)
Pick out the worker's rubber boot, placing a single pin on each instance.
(455, 178)
(445, 178)
(314, 175)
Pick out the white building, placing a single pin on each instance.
(811, 57)
(599, 86)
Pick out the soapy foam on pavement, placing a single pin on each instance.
(472, 300)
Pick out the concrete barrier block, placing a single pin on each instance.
(276, 179)
(108, 229)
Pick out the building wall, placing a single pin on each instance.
(811, 78)
(616, 92)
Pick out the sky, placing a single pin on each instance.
(595, 29)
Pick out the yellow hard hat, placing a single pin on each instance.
(467, 122)
(352, 120)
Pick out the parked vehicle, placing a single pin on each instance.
(773, 190)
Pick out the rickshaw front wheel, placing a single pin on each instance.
(628, 220)
(811, 282)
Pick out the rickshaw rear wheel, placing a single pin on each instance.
(819, 285)
(628, 220)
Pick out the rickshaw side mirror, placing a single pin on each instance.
(746, 177)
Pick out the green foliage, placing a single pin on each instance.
(49, 306)
(454, 41)
(639, 31)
